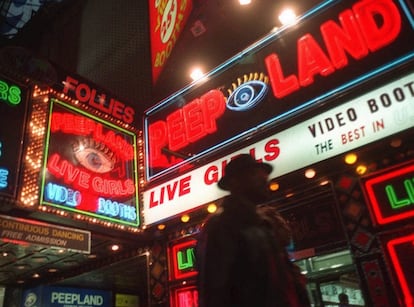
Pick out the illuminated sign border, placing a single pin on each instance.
(405, 287)
(375, 205)
(174, 259)
(181, 193)
(382, 68)
(174, 297)
(134, 162)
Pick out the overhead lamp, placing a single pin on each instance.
(211, 208)
(185, 218)
(274, 186)
(310, 173)
(361, 169)
(161, 226)
(245, 2)
(287, 17)
(196, 73)
(351, 158)
(115, 247)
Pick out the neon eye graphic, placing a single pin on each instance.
(94, 156)
(248, 93)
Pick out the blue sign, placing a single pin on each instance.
(64, 297)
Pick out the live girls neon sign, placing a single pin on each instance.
(90, 166)
(354, 41)
(391, 194)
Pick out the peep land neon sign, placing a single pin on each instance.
(349, 44)
(90, 166)
(391, 195)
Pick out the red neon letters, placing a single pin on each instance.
(81, 125)
(81, 179)
(368, 27)
(186, 125)
(85, 94)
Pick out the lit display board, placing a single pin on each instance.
(13, 103)
(90, 166)
(167, 21)
(391, 194)
(401, 252)
(182, 259)
(365, 118)
(332, 49)
(184, 297)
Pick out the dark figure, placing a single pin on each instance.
(343, 300)
(241, 255)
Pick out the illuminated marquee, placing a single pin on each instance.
(90, 166)
(13, 98)
(391, 194)
(337, 46)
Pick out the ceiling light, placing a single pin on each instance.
(115, 247)
(287, 17)
(245, 2)
(274, 186)
(196, 74)
(351, 158)
(310, 173)
(211, 208)
(161, 226)
(396, 143)
(185, 218)
(361, 169)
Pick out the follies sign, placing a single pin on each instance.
(90, 166)
(332, 49)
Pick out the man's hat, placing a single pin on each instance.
(238, 164)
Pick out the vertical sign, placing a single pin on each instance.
(167, 20)
(401, 251)
(182, 258)
(391, 194)
(13, 101)
(90, 166)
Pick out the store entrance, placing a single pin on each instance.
(330, 277)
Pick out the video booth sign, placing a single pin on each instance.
(89, 166)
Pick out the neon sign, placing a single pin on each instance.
(333, 48)
(182, 258)
(185, 297)
(11, 94)
(401, 251)
(13, 98)
(90, 166)
(87, 94)
(391, 195)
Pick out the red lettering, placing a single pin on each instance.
(71, 174)
(346, 38)
(368, 27)
(176, 130)
(211, 175)
(281, 86)
(311, 60)
(194, 121)
(85, 94)
(272, 150)
(176, 188)
(380, 22)
(187, 125)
